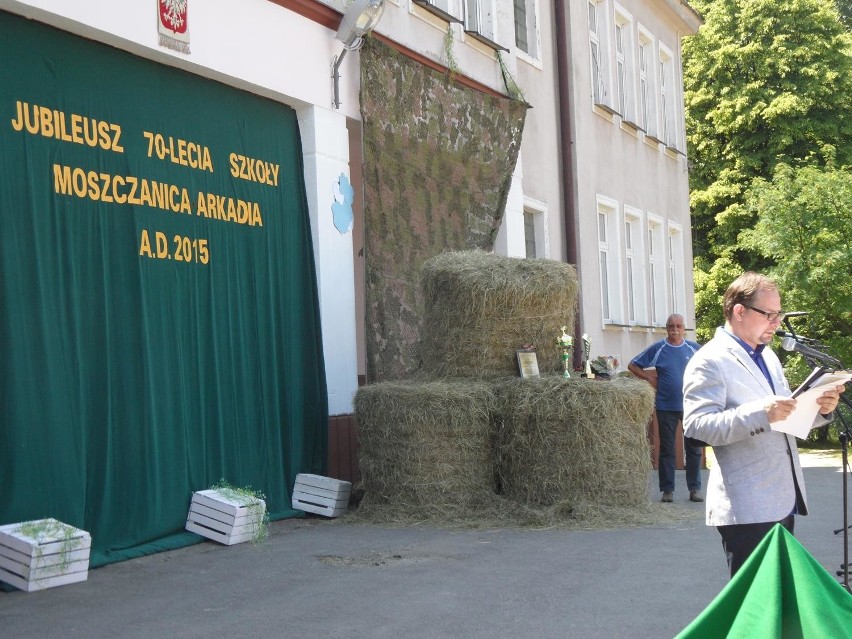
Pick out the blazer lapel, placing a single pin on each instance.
(747, 363)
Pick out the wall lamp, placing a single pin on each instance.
(360, 18)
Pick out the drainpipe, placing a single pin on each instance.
(564, 64)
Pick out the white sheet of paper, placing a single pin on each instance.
(801, 420)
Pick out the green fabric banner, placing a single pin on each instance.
(159, 322)
(780, 592)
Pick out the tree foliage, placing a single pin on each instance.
(766, 82)
(804, 224)
(845, 9)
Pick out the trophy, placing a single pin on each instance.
(566, 343)
(587, 348)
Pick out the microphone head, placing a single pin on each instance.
(788, 344)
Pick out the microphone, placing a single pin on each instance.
(798, 338)
(790, 344)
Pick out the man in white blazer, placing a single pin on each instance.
(734, 389)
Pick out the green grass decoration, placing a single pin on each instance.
(254, 502)
(42, 530)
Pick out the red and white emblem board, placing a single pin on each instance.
(173, 24)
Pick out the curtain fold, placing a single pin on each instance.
(153, 340)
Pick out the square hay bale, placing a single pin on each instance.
(44, 553)
(226, 516)
(321, 495)
(426, 445)
(575, 440)
(480, 308)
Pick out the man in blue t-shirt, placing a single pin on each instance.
(666, 361)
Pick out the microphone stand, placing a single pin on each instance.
(844, 437)
(844, 443)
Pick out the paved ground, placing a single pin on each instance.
(320, 578)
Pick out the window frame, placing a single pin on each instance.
(657, 266)
(634, 265)
(537, 211)
(533, 31)
(646, 73)
(448, 10)
(676, 268)
(609, 255)
(625, 58)
(669, 133)
(480, 22)
(600, 54)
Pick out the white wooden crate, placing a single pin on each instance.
(44, 553)
(321, 495)
(227, 519)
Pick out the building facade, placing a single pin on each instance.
(601, 178)
(638, 196)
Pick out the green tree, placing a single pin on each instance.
(845, 9)
(804, 224)
(765, 82)
(710, 286)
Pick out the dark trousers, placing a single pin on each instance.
(667, 421)
(740, 540)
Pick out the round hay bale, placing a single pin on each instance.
(575, 441)
(425, 445)
(480, 308)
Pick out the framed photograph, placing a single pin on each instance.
(527, 362)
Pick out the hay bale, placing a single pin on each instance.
(575, 441)
(426, 445)
(480, 308)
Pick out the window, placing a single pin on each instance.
(657, 271)
(526, 27)
(677, 292)
(604, 264)
(599, 49)
(535, 228)
(609, 261)
(624, 65)
(449, 10)
(667, 103)
(647, 92)
(479, 22)
(529, 234)
(634, 266)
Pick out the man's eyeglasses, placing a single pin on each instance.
(780, 315)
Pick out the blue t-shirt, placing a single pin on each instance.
(670, 362)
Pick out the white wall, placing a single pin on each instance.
(510, 236)
(250, 44)
(622, 165)
(325, 144)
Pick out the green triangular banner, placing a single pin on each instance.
(780, 592)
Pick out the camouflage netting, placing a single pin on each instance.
(574, 441)
(480, 308)
(438, 165)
